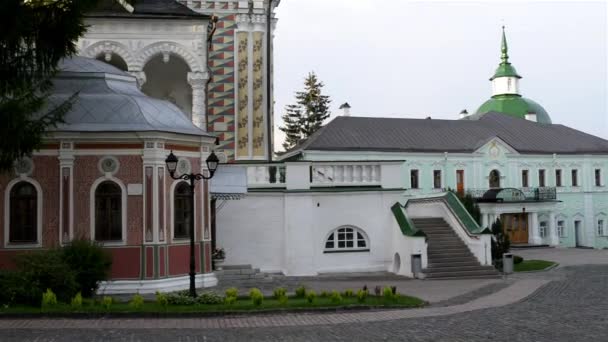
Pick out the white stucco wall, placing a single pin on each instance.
(286, 231)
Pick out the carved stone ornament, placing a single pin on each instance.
(24, 166)
(108, 165)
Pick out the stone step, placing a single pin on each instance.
(236, 267)
(449, 252)
(453, 263)
(462, 273)
(458, 268)
(459, 277)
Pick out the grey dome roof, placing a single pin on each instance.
(107, 99)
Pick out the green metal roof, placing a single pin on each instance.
(514, 105)
(505, 69)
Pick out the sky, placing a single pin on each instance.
(414, 59)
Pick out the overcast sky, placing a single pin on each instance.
(397, 58)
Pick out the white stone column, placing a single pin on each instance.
(553, 236)
(197, 81)
(534, 233)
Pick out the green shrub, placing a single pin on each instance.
(137, 302)
(517, 259)
(209, 298)
(106, 302)
(180, 298)
(283, 300)
(39, 271)
(49, 299)
(256, 296)
(335, 297)
(279, 292)
(388, 293)
(362, 296)
(76, 302)
(11, 287)
(324, 294)
(348, 293)
(229, 300)
(161, 299)
(232, 292)
(311, 296)
(301, 292)
(90, 263)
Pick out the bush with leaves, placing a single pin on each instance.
(41, 270)
(301, 292)
(209, 298)
(335, 297)
(279, 292)
(348, 293)
(256, 296)
(90, 262)
(517, 259)
(137, 302)
(107, 302)
(324, 294)
(161, 299)
(388, 293)
(283, 299)
(49, 299)
(232, 292)
(362, 295)
(229, 300)
(311, 296)
(76, 302)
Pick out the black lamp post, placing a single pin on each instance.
(212, 163)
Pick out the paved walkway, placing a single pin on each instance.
(564, 304)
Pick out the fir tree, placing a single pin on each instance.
(308, 114)
(34, 36)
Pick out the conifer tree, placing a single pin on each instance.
(34, 36)
(308, 114)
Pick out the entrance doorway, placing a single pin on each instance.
(515, 226)
(460, 182)
(578, 234)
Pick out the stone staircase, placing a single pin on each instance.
(448, 256)
(243, 275)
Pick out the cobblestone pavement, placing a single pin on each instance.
(572, 305)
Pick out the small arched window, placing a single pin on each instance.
(23, 213)
(494, 179)
(108, 212)
(346, 239)
(182, 211)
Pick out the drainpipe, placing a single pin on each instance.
(269, 113)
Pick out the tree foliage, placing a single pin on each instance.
(34, 36)
(305, 117)
(500, 243)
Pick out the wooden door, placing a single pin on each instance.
(516, 227)
(460, 181)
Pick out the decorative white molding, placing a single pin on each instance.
(166, 48)
(107, 48)
(151, 286)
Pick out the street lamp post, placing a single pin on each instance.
(212, 163)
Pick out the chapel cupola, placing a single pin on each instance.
(505, 79)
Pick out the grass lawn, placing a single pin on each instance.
(241, 305)
(532, 265)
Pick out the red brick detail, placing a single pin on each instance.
(149, 262)
(179, 259)
(161, 204)
(161, 261)
(207, 257)
(125, 262)
(106, 146)
(182, 148)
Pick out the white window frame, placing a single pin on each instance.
(123, 190)
(561, 231)
(527, 178)
(603, 229)
(417, 178)
(600, 179)
(542, 229)
(336, 249)
(440, 179)
(172, 213)
(7, 213)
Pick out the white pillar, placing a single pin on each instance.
(484, 221)
(553, 237)
(535, 234)
(197, 81)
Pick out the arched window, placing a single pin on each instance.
(494, 179)
(23, 213)
(108, 212)
(182, 211)
(346, 238)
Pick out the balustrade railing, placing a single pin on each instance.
(514, 194)
(266, 176)
(345, 174)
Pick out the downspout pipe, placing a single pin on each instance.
(269, 113)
